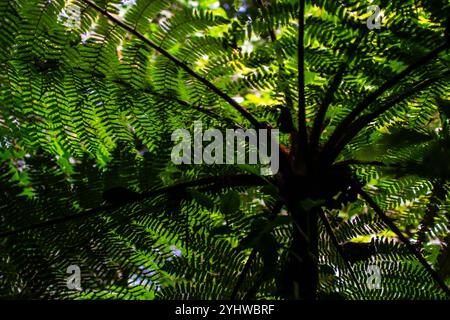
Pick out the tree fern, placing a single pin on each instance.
(86, 177)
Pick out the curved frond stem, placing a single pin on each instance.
(254, 289)
(301, 151)
(184, 103)
(360, 162)
(354, 128)
(207, 112)
(403, 239)
(213, 182)
(242, 275)
(342, 128)
(338, 247)
(277, 207)
(438, 195)
(329, 95)
(244, 112)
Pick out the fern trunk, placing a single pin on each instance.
(299, 279)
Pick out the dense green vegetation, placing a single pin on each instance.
(91, 91)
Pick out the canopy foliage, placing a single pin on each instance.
(87, 112)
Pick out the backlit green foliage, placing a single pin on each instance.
(90, 106)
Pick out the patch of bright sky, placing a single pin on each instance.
(85, 36)
(242, 9)
(215, 5)
(247, 47)
(88, 34)
(238, 99)
(175, 251)
(202, 60)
